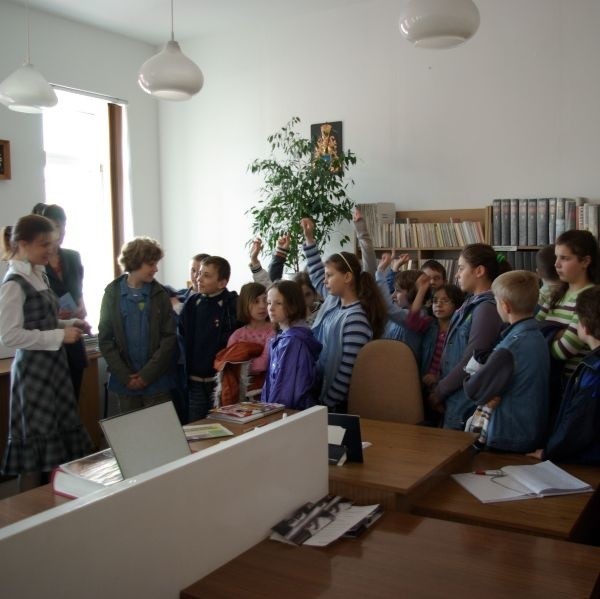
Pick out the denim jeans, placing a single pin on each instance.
(200, 396)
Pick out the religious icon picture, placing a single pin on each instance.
(4, 159)
(327, 138)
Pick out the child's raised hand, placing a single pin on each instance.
(423, 282)
(308, 227)
(400, 261)
(255, 248)
(357, 215)
(384, 261)
(284, 242)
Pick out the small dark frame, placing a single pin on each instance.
(336, 131)
(4, 159)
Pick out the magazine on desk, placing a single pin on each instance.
(86, 475)
(512, 483)
(245, 411)
(197, 432)
(319, 524)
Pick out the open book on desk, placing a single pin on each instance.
(521, 482)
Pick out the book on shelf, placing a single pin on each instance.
(197, 432)
(512, 483)
(320, 523)
(496, 222)
(532, 221)
(245, 411)
(523, 213)
(551, 220)
(86, 475)
(542, 221)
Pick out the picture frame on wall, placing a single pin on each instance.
(4, 159)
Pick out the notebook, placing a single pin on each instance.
(146, 438)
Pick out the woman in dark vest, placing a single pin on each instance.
(65, 273)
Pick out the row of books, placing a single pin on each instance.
(539, 221)
(389, 231)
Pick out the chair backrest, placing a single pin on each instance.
(385, 383)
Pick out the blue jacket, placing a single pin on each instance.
(576, 434)
(458, 406)
(292, 374)
(428, 344)
(520, 420)
(398, 331)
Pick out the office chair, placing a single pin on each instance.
(385, 383)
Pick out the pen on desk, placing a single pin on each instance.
(489, 472)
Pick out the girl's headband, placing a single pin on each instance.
(346, 262)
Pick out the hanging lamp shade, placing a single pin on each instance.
(439, 24)
(170, 74)
(26, 90)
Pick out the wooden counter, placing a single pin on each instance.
(409, 556)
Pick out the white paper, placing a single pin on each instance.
(335, 434)
(344, 521)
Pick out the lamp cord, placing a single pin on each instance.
(28, 46)
(172, 34)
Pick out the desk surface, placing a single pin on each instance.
(408, 556)
(559, 517)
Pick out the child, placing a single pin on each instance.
(546, 271)
(511, 388)
(352, 314)
(207, 320)
(292, 374)
(577, 267)
(311, 297)
(44, 429)
(576, 434)
(252, 311)
(474, 328)
(136, 333)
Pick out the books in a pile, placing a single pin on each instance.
(86, 475)
(196, 432)
(245, 411)
(521, 482)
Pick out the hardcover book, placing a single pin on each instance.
(245, 411)
(86, 475)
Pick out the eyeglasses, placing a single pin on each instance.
(442, 302)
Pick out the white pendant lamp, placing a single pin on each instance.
(26, 89)
(439, 24)
(171, 75)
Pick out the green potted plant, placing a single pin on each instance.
(302, 177)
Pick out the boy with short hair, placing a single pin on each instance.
(136, 333)
(511, 388)
(576, 434)
(207, 320)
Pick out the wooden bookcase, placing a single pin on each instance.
(443, 254)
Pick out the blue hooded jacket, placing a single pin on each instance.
(292, 373)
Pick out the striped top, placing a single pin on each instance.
(569, 347)
(436, 358)
(355, 332)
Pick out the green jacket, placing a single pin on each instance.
(111, 335)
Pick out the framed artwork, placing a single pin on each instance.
(4, 159)
(327, 138)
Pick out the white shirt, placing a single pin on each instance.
(12, 298)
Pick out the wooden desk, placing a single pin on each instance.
(403, 462)
(572, 517)
(21, 506)
(89, 402)
(408, 556)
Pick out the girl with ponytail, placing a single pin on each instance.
(352, 314)
(473, 331)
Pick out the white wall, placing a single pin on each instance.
(81, 57)
(510, 113)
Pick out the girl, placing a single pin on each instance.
(473, 328)
(352, 314)
(311, 297)
(292, 375)
(45, 429)
(252, 311)
(577, 267)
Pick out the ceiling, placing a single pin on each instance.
(149, 20)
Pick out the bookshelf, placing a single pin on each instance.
(473, 224)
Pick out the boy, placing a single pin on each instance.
(205, 323)
(511, 388)
(136, 333)
(576, 434)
